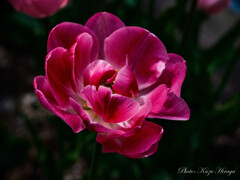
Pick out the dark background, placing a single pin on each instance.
(34, 144)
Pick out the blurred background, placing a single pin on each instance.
(37, 145)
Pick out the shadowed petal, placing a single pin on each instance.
(125, 83)
(98, 72)
(59, 72)
(103, 24)
(167, 105)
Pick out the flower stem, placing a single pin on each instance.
(94, 162)
(188, 24)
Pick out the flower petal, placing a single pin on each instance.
(174, 73)
(43, 92)
(141, 144)
(65, 34)
(38, 9)
(103, 24)
(98, 72)
(213, 6)
(135, 123)
(59, 72)
(144, 52)
(112, 108)
(167, 105)
(93, 123)
(125, 83)
(83, 53)
(172, 76)
(73, 120)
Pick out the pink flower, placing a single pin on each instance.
(108, 78)
(38, 8)
(213, 6)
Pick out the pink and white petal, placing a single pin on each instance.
(125, 83)
(141, 144)
(65, 34)
(133, 125)
(116, 108)
(127, 128)
(83, 53)
(111, 108)
(92, 121)
(140, 117)
(98, 72)
(103, 24)
(59, 73)
(145, 53)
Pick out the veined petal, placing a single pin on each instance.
(59, 72)
(141, 144)
(65, 34)
(111, 108)
(98, 72)
(125, 83)
(103, 24)
(145, 53)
